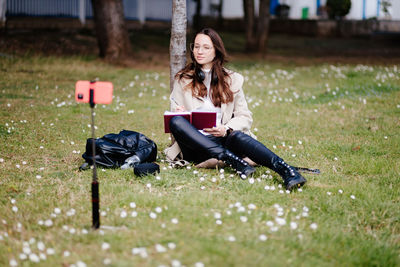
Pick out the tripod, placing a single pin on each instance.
(95, 183)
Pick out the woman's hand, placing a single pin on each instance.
(179, 108)
(219, 131)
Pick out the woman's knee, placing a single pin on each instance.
(177, 122)
(236, 138)
(235, 135)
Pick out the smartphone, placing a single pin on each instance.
(102, 92)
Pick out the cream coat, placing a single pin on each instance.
(235, 115)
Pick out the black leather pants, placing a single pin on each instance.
(244, 145)
(197, 147)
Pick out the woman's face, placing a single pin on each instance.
(203, 50)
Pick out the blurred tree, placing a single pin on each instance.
(386, 4)
(338, 8)
(256, 30)
(177, 46)
(112, 34)
(197, 16)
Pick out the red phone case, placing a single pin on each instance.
(103, 92)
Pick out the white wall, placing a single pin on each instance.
(396, 10)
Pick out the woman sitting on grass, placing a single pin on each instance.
(206, 84)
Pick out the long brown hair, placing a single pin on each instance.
(219, 87)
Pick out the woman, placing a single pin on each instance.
(206, 84)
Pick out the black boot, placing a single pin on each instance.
(243, 144)
(291, 177)
(241, 167)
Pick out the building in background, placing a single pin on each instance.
(161, 10)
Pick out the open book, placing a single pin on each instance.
(199, 119)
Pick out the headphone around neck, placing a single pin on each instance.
(200, 75)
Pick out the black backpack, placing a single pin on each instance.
(112, 149)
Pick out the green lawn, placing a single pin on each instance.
(342, 119)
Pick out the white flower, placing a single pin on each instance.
(26, 250)
(243, 218)
(57, 210)
(251, 206)
(103, 213)
(80, 264)
(174, 220)
(66, 253)
(219, 222)
(199, 264)
(160, 248)
(13, 201)
(217, 215)
(40, 245)
(263, 237)
(48, 223)
(13, 262)
(107, 261)
(123, 214)
(231, 238)
(132, 205)
(158, 209)
(14, 209)
(340, 191)
(171, 245)
(176, 263)
(1, 160)
(251, 180)
(293, 225)
(280, 221)
(353, 197)
(134, 214)
(241, 209)
(313, 226)
(71, 212)
(50, 251)
(329, 193)
(105, 246)
(34, 258)
(153, 215)
(270, 223)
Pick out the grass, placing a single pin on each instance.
(342, 119)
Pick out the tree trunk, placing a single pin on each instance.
(220, 18)
(112, 34)
(263, 26)
(251, 43)
(177, 46)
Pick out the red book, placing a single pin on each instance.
(199, 119)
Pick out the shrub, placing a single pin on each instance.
(338, 8)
